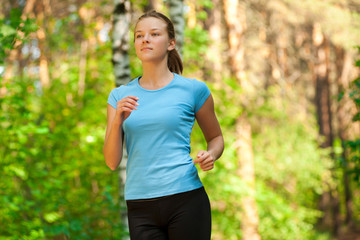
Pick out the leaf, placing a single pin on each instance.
(357, 101)
(17, 170)
(340, 96)
(15, 17)
(37, 234)
(357, 81)
(29, 26)
(42, 130)
(357, 63)
(7, 30)
(52, 217)
(356, 117)
(353, 93)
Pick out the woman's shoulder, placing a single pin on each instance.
(118, 92)
(189, 80)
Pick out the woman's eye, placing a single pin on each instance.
(155, 34)
(138, 36)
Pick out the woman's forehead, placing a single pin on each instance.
(150, 23)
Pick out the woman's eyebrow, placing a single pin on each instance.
(150, 29)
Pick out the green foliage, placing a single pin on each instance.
(290, 170)
(14, 29)
(54, 182)
(196, 41)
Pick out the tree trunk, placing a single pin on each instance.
(322, 86)
(235, 18)
(82, 66)
(176, 12)
(86, 14)
(250, 219)
(343, 66)
(330, 200)
(121, 64)
(120, 42)
(151, 5)
(215, 63)
(41, 36)
(269, 37)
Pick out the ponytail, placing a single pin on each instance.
(174, 62)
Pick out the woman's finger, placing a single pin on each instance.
(201, 156)
(127, 101)
(128, 105)
(131, 101)
(207, 163)
(125, 109)
(207, 168)
(133, 97)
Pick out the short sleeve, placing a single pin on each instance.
(201, 93)
(114, 97)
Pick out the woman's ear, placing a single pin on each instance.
(172, 44)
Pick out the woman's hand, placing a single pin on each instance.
(205, 160)
(124, 108)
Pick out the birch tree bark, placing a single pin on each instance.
(235, 17)
(120, 42)
(121, 64)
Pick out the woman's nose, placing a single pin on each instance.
(146, 38)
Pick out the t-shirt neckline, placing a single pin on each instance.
(159, 89)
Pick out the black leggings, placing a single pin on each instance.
(182, 216)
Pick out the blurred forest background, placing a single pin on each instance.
(285, 78)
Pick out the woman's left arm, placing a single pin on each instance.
(210, 127)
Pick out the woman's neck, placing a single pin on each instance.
(155, 75)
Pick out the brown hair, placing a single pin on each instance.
(174, 61)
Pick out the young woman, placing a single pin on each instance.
(155, 114)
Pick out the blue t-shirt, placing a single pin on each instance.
(157, 137)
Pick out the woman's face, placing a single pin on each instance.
(152, 42)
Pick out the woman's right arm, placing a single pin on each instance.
(113, 145)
